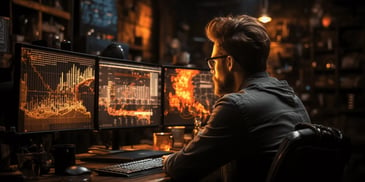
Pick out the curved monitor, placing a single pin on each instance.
(129, 94)
(55, 89)
(188, 95)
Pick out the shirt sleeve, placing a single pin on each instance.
(210, 149)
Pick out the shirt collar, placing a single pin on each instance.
(254, 78)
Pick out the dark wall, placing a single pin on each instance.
(5, 8)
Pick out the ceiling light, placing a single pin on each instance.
(265, 18)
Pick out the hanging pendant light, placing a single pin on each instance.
(265, 18)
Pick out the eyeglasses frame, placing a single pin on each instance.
(211, 60)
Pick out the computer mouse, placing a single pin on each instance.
(77, 170)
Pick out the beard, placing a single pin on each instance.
(225, 85)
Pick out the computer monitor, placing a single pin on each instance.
(188, 95)
(55, 89)
(129, 94)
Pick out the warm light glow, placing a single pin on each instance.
(183, 99)
(314, 64)
(326, 21)
(328, 65)
(264, 18)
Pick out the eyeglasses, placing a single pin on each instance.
(211, 60)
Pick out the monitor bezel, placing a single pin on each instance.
(164, 67)
(16, 86)
(134, 63)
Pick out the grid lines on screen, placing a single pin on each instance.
(129, 95)
(188, 95)
(56, 90)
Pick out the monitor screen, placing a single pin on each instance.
(55, 89)
(188, 95)
(129, 94)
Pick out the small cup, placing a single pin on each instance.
(162, 141)
(178, 136)
(64, 156)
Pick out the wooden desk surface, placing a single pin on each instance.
(159, 177)
(94, 177)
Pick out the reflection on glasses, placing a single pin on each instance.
(211, 60)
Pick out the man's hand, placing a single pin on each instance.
(164, 157)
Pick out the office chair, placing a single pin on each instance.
(311, 153)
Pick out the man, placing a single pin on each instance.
(252, 115)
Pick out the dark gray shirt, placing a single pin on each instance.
(242, 135)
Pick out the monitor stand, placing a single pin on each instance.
(115, 139)
(105, 149)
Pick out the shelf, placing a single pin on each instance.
(333, 90)
(46, 22)
(356, 112)
(324, 71)
(324, 89)
(136, 47)
(351, 49)
(335, 86)
(351, 70)
(350, 90)
(340, 111)
(43, 8)
(324, 51)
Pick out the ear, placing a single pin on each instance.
(230, 62)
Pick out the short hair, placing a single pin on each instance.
(244, 38)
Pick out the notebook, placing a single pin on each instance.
(125, 156)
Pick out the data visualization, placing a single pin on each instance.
(188, 95)
(129, 94)
(56, 90)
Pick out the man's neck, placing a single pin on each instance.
(239, 81)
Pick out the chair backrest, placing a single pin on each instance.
(311, 153)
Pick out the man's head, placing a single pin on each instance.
(242, 43)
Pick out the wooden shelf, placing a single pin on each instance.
(324, 71)
(43, 8)
(341, 79)
(318, 89)
(136, 47)
(357, 112)
(351, 71)
(47, 21)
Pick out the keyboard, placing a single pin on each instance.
(133, 168)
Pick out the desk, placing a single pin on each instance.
(159, 177)
(94, 177)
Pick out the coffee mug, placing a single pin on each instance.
(162, 141)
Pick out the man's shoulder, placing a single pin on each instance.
(234, 98)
